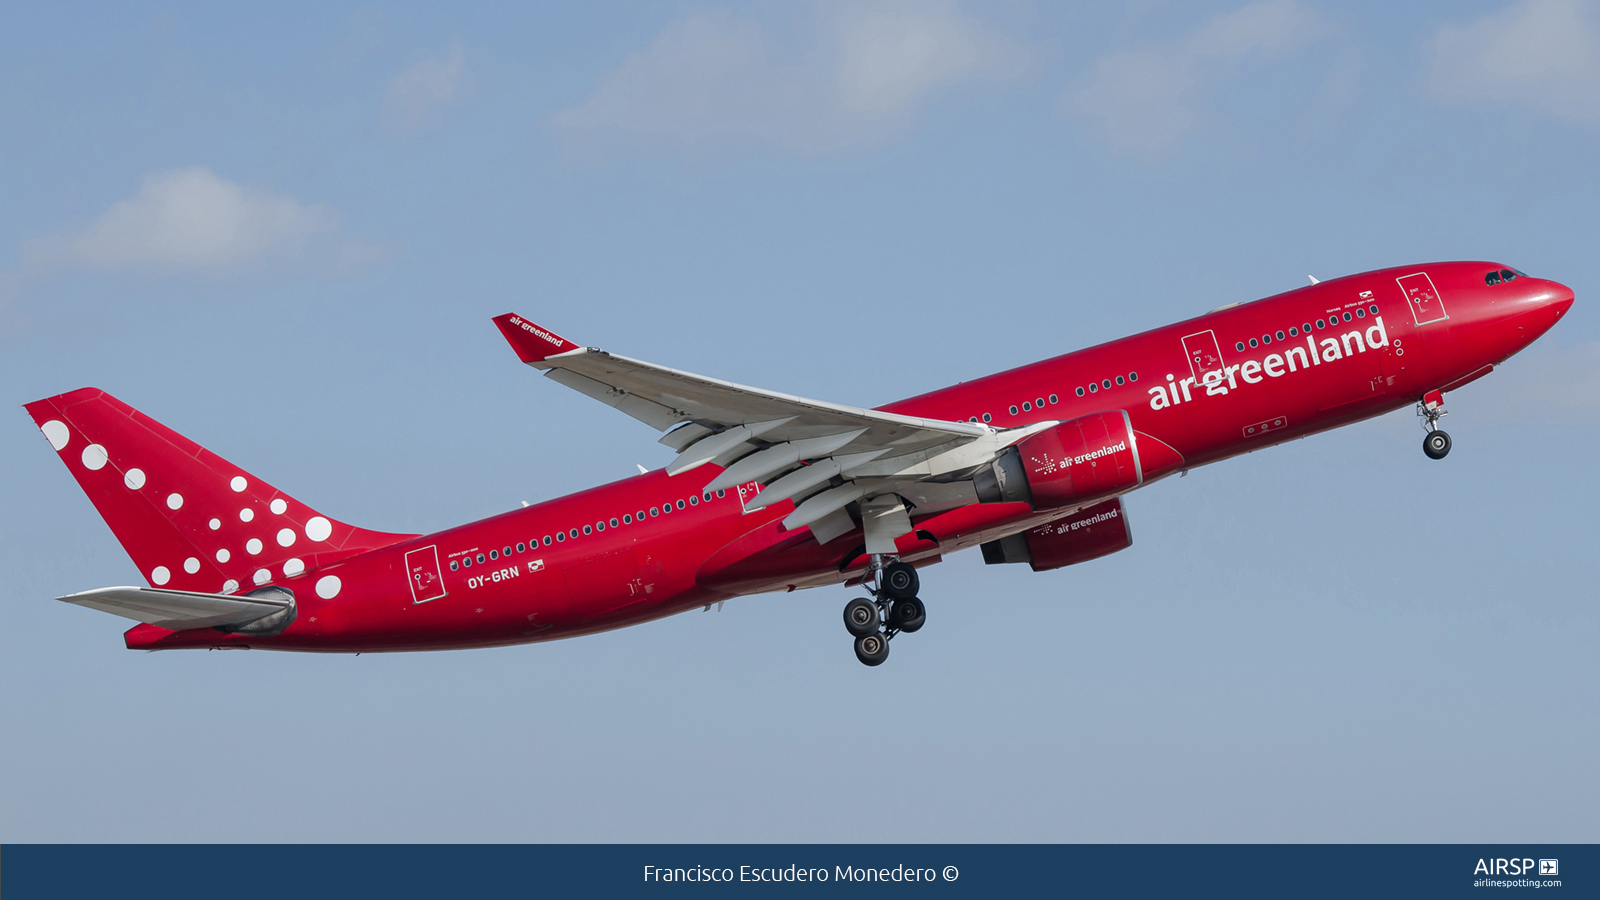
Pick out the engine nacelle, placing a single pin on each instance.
(1090, 456)
(1089, 533)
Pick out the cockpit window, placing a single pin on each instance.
(1492, 278)
(1507, 274)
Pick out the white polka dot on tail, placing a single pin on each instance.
(262, 576)
(191, 565)
(328, 587)
(230, 586)
(252, 546)
(215, 524)
(238, 483)
(160, 576)
(278, 506)
(94, 457)
(246, 514)
(286, 537)
(56, 432)
(174, 501)
(318, 528)
(134, 479)
(223, 555)
(293, 567)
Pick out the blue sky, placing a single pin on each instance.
(283, 232)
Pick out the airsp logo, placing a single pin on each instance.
(1515, 867)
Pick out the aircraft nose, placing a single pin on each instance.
(1560, 299)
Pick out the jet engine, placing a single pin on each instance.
(1089, 533)
(1080, 460)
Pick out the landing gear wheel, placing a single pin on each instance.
(908, 615)
(1436, 445)
(861, 618)
(872, 649)
(900, 581)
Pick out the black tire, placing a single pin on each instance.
(861, 616)
(1436, 445)
(908, 615)
(900, 581)
(872, 649)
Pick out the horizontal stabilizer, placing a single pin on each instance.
(177, 610)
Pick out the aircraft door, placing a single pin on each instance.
(1203, 353)
(422, 571)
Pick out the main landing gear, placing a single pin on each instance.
(1436, 444)
(893, 608)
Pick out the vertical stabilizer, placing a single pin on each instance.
(190, 519)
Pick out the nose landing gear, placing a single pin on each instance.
(894, 608)
(1436, 444)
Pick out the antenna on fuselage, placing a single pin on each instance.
(1313, 279)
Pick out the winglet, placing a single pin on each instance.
(532, 343)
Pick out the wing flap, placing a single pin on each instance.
(176, 610)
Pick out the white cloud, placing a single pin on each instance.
(416, 92)
(1543, 52)
(873, 64)
(190, 220)
(1147, 100)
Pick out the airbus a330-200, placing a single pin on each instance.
(772, 492)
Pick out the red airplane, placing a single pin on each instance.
(773, 492)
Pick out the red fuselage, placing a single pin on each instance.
(1229, 382)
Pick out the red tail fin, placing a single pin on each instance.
(190, 519)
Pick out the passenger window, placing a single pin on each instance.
(1239, 346)
(1026, 406)
(694, 501)
(1054, 399)
(560, 536)
(467, 561)
(1254, 343)
(654, 511)
(986, 418)
(627, 518)
(615, 523)
(480, 557)
(1266, 339)
(454, 565)
(1507, 274)
(680, 504)
(724, 493)
(1347, 317)
(1133, 376)
(520, 547)
(1361, 314)
(973, 419)
(1121, 380)
(506, 552)
(1373, 309)
(600, 525)
(1322, 323)
(1280, 335)
(588, 529)
(573, 533)
(1093, 388)
(1293, 331)
(1306, 328)
(1080, 392)
(1013, 410)
(493, 555)
(1106, 384)
(1039, 403)
(547, 540)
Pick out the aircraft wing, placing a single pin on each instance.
(176, 610)
(823, 455)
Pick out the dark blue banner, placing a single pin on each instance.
(944, 871)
